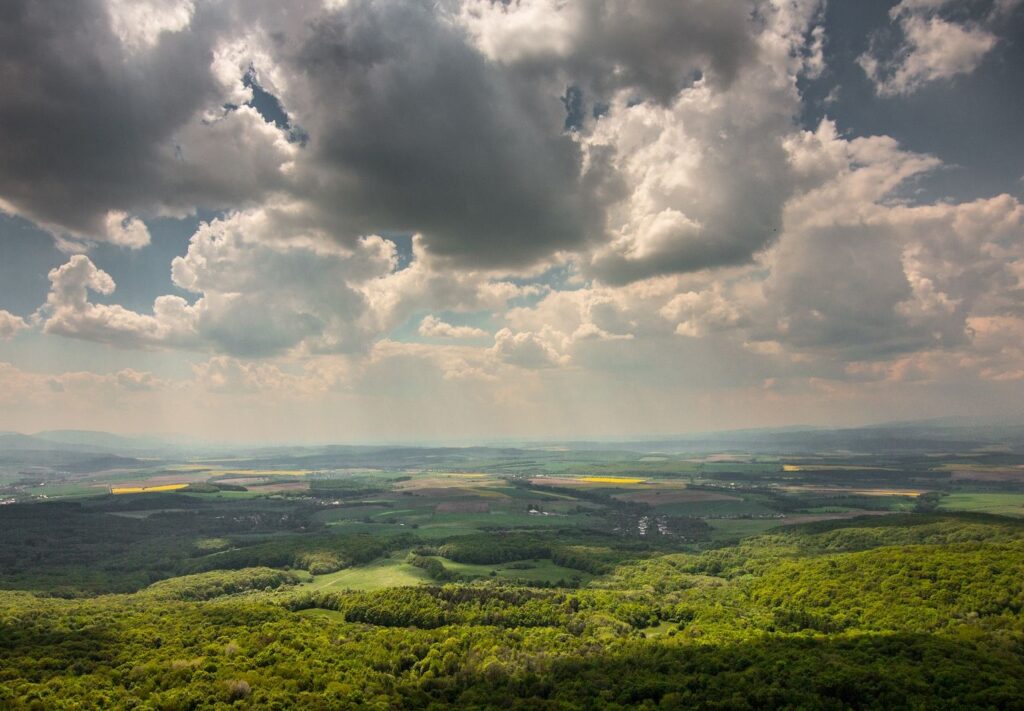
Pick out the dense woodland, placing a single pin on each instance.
(894, 612)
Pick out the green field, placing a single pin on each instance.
(385, 573)
(394, 571)
(542, 570)
(1007, 504)
(733, 529)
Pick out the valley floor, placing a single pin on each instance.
(732, 586)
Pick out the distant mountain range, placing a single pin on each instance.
(941, 434)
(949, 434)
(74, 441)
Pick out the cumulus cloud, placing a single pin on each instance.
(931, 47)
(126, 231)
(139, 23)
(222, 374)
(654, 47)
(597, 313)
(686, 206)
(490, 179)
(25, 388)
(862, 273)
(643, 188)
(622, 188)
(502, 149)
(526, 349)
(403, 363)
(433, 327)
(10, 324)
(431, 283)
(859, 276)
(262, 297)
(89, 140)
(695, 313)
(258, 294)
(255, 299)
(69, 312)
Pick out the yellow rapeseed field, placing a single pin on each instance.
(145, 489)
(611, 480)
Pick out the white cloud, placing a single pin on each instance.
(685, 206)
(28, 388)
(453, 362)
(68, 311)
(433, 327)
(431, 283)
(262, 293)
(651, 47)
(256, 298)
(859, 274)
(698, 312)
(932, 49)
(10, 325)
(222, 374)
(126, 231)
(139, 23)
(620, 187)
(92, 149)
(526, 349)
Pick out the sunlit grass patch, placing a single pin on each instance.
(543, 569)
(388, 572)
(488, 493)
(823, 467)
(1002, 503)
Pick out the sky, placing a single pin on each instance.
(457, 220)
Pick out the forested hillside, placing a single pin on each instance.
(904, 612)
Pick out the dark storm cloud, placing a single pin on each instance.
(412, 129)
(409, 122)
(419, 124)
(658, 47)
(81, 121)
